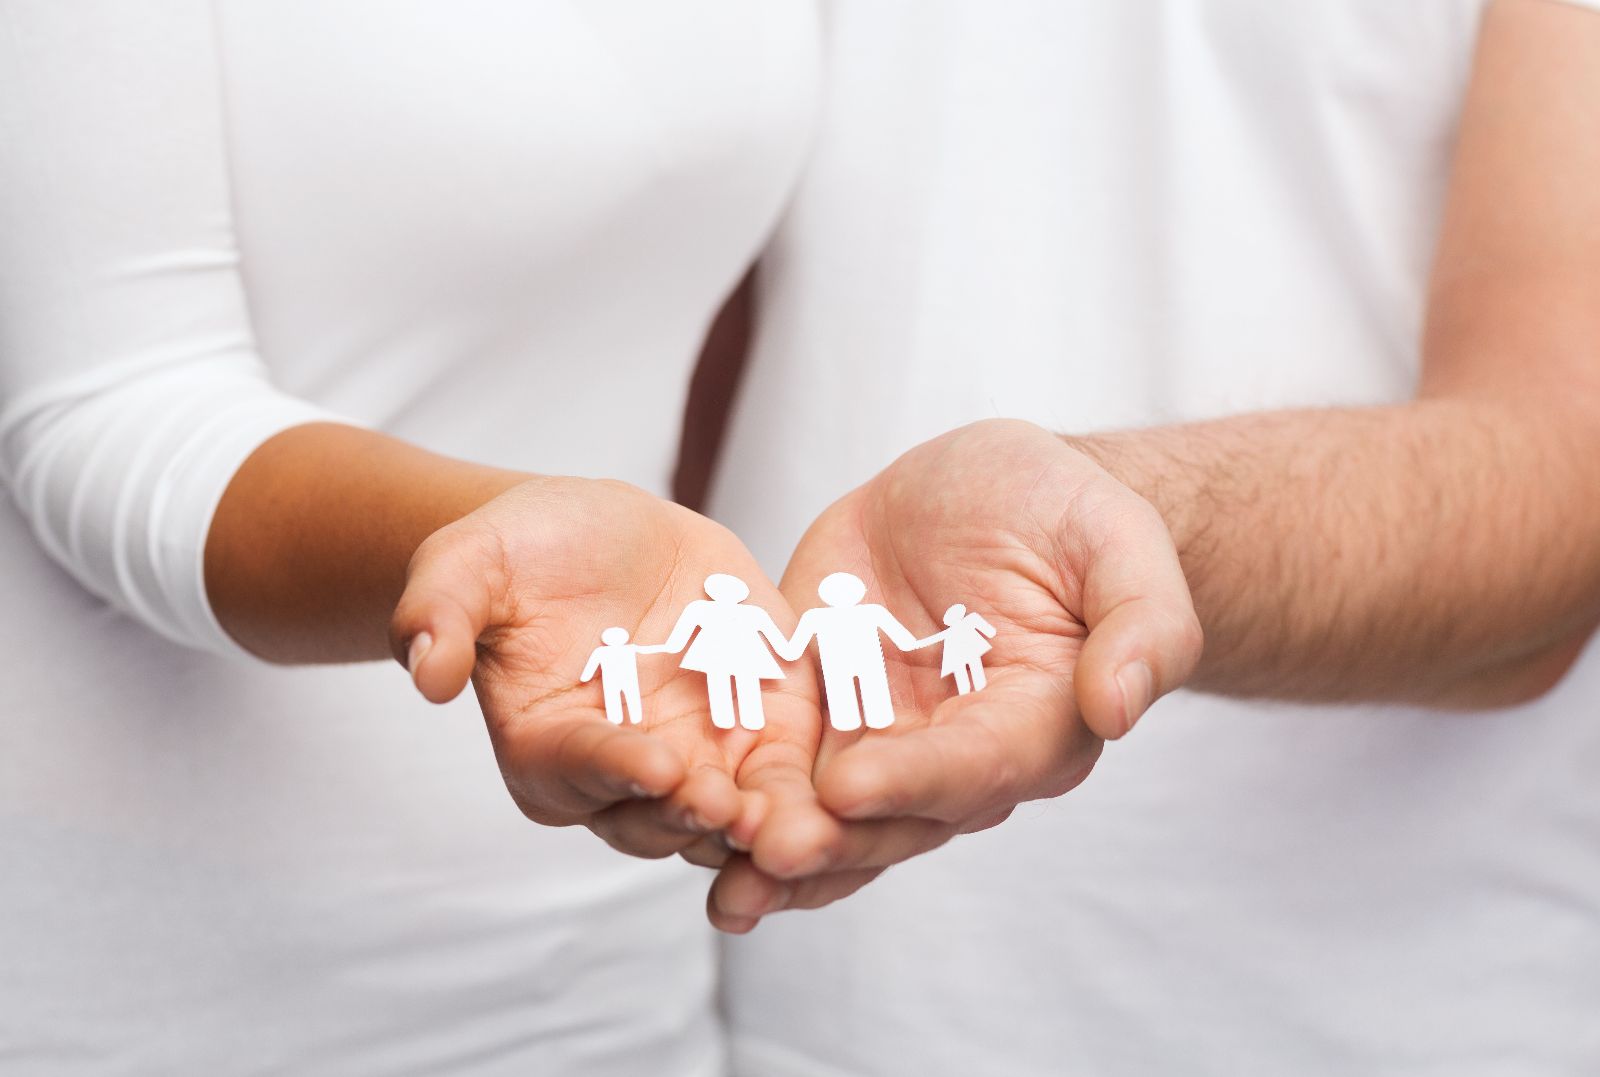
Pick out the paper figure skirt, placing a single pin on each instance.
(965, 644)
(731, 650)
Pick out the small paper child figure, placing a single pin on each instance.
(846, 631)
(964, 647)
(616, 660)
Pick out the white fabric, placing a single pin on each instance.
(1103, 215)
(464, 224)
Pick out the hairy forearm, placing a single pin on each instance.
(1445, 551)
(307, 553)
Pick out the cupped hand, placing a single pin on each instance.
(515, 597)
(1080, 579)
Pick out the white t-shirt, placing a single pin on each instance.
(1116, 214)
(466, 224)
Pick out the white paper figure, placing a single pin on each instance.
(852, 655)
(964, 647)
(617, 663)
(728, 649)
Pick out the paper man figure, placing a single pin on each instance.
(616, 660)
(964, 647)
(728, 650)
(852, 655)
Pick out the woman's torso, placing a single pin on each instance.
(498, 230)
(963, 645)
(729, 642)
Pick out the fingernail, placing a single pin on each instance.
(735, 844)
(640, 791)
(1138, 686)
(420, 646)
(691, 819)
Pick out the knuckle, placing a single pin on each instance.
(643, 848)
(705, 854)
(1192, 636)
(989, 820)
(432, 551)
(627, 833)
(544, 814)
(1063, 782)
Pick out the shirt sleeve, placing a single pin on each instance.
(130, 387)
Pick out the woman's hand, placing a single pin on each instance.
(515, 595)
(1079, 577)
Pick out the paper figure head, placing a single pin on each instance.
(954, 614)
(614, 637)
(724, 588)
(841, 589)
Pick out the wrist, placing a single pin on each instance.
(308, 548)
(1131, 458)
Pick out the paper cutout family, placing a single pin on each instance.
(727, 647)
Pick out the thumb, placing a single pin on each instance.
(775, 778)
(1144, 639)
(446, 606)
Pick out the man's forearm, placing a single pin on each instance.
(1443, 551)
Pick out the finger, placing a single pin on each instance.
(822, 890)
(710, 851)
(447, 604)
(799, 844)
(1017, 740)
(584, 764)
(640, 828)
(704, 803)
(742, 894)
(708, 801)
(752, 817)
(729, 925)
(1144, 639)
(775, 774)
(987, 822)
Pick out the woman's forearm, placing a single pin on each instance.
(307, 552)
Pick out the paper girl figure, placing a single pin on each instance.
(964, 647)
(728, 649)
(616, 660)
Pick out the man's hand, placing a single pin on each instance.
(515, 595)
(1079, 577)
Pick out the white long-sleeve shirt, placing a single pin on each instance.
(496, 229)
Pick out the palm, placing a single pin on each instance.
(563, 561)
(974, 518)
(1080, 581)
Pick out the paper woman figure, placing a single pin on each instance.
(964, 647)
(728, 649)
